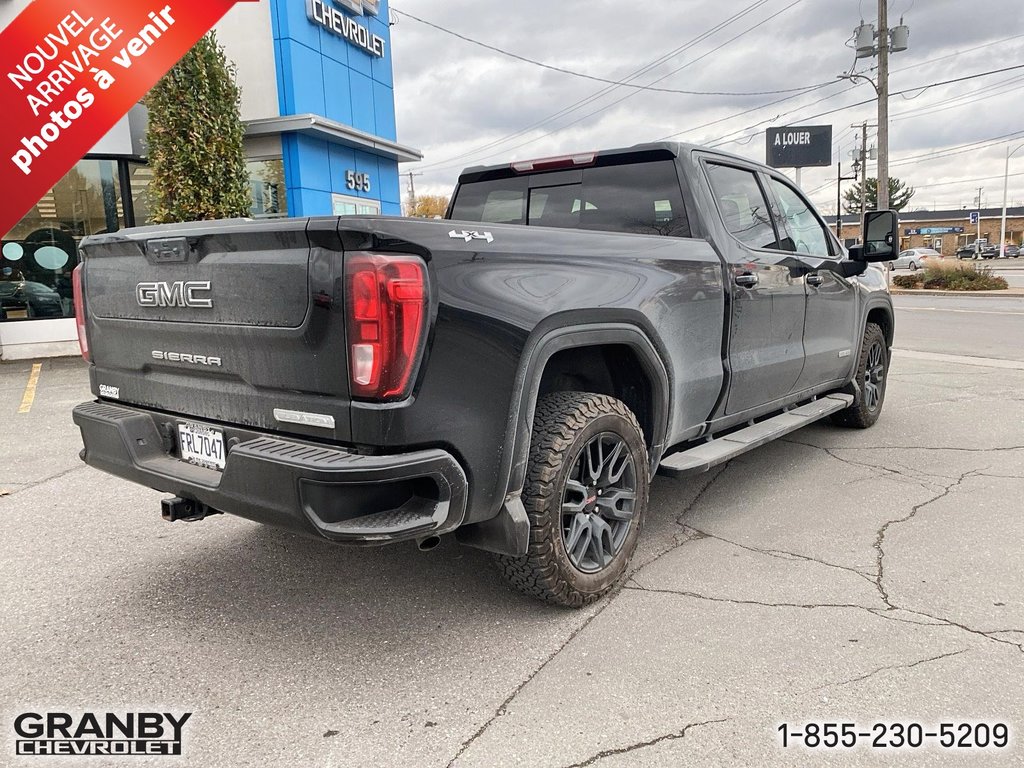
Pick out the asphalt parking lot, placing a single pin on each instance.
(843, 576)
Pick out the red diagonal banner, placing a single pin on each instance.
(70, 69)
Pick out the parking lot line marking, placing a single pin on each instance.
(30, 389)
(938, 357)
(967, 311)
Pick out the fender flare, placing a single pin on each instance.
(852, 386)
(507, 532)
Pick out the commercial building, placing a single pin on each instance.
(945, 231)
(319, 106)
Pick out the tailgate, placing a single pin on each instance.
(226, 321)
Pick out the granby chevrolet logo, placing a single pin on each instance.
(53, 734)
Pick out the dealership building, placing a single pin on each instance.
(945, 231)
(319, 107)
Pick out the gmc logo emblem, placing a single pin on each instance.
(359, 7)
(183, 293)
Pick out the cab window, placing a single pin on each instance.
(805, 232)
(742, 205)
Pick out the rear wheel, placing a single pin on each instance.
(586, 494)
(913, 267)
(872, 375)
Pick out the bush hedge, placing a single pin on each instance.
(952, 276)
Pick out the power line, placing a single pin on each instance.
(961, 148)
(893, 93)
(839, 93)
(965, 181)
(608, 89)
(631, 95)
(594, 78)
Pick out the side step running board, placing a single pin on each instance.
(713, 452)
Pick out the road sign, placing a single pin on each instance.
(975, 217)
(801, 146)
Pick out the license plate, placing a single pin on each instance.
(201, 445)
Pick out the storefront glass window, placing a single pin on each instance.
(266, 181)
(140, 175)
(39, 254)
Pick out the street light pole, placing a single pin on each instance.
(839, 197)
(1006, 186)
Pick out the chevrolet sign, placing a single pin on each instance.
(321, 13)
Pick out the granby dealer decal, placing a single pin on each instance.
(51, 734)
(70, 70)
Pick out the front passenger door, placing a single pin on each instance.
(766, 322)
(830, 336)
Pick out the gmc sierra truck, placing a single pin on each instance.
(513, 375)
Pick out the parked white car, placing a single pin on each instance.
(914, 259)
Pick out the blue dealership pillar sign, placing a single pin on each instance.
(802, 146)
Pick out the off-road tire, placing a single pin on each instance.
(866, 411)
(564, 425)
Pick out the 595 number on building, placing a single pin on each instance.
(359, 182)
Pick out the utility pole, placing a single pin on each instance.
(864, 168)
(883, 105)
(977, 241)
(412, 189)
(889, 41)
(1006, 186)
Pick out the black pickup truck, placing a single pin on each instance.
(514, 374)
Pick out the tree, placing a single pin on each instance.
(195, 140)
(428, 206)
(899, 195)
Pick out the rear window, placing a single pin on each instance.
(639, 198)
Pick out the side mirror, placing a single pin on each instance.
(880, 237)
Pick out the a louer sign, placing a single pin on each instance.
(800, 146)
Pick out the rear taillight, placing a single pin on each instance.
(386, 311)
(79, 299)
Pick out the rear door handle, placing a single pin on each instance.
(746, 280)
(815, 279)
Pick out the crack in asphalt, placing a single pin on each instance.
(29, 486)
(988, 635)
(674, 736)
(688, 534)
(638, 587)
(878, 470)
(889, 668)
(781, 554)
(503, 707)
(880, 535)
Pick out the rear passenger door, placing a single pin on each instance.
(829, 328)
(766, 354)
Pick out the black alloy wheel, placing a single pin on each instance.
(598, 501)
(874, 376)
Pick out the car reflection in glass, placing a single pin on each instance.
(23, 299)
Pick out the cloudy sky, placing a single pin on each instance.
(464, 105)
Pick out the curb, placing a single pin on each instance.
(1007, 294)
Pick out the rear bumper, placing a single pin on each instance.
(302, 486)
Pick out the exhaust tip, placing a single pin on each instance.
(428, 543)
